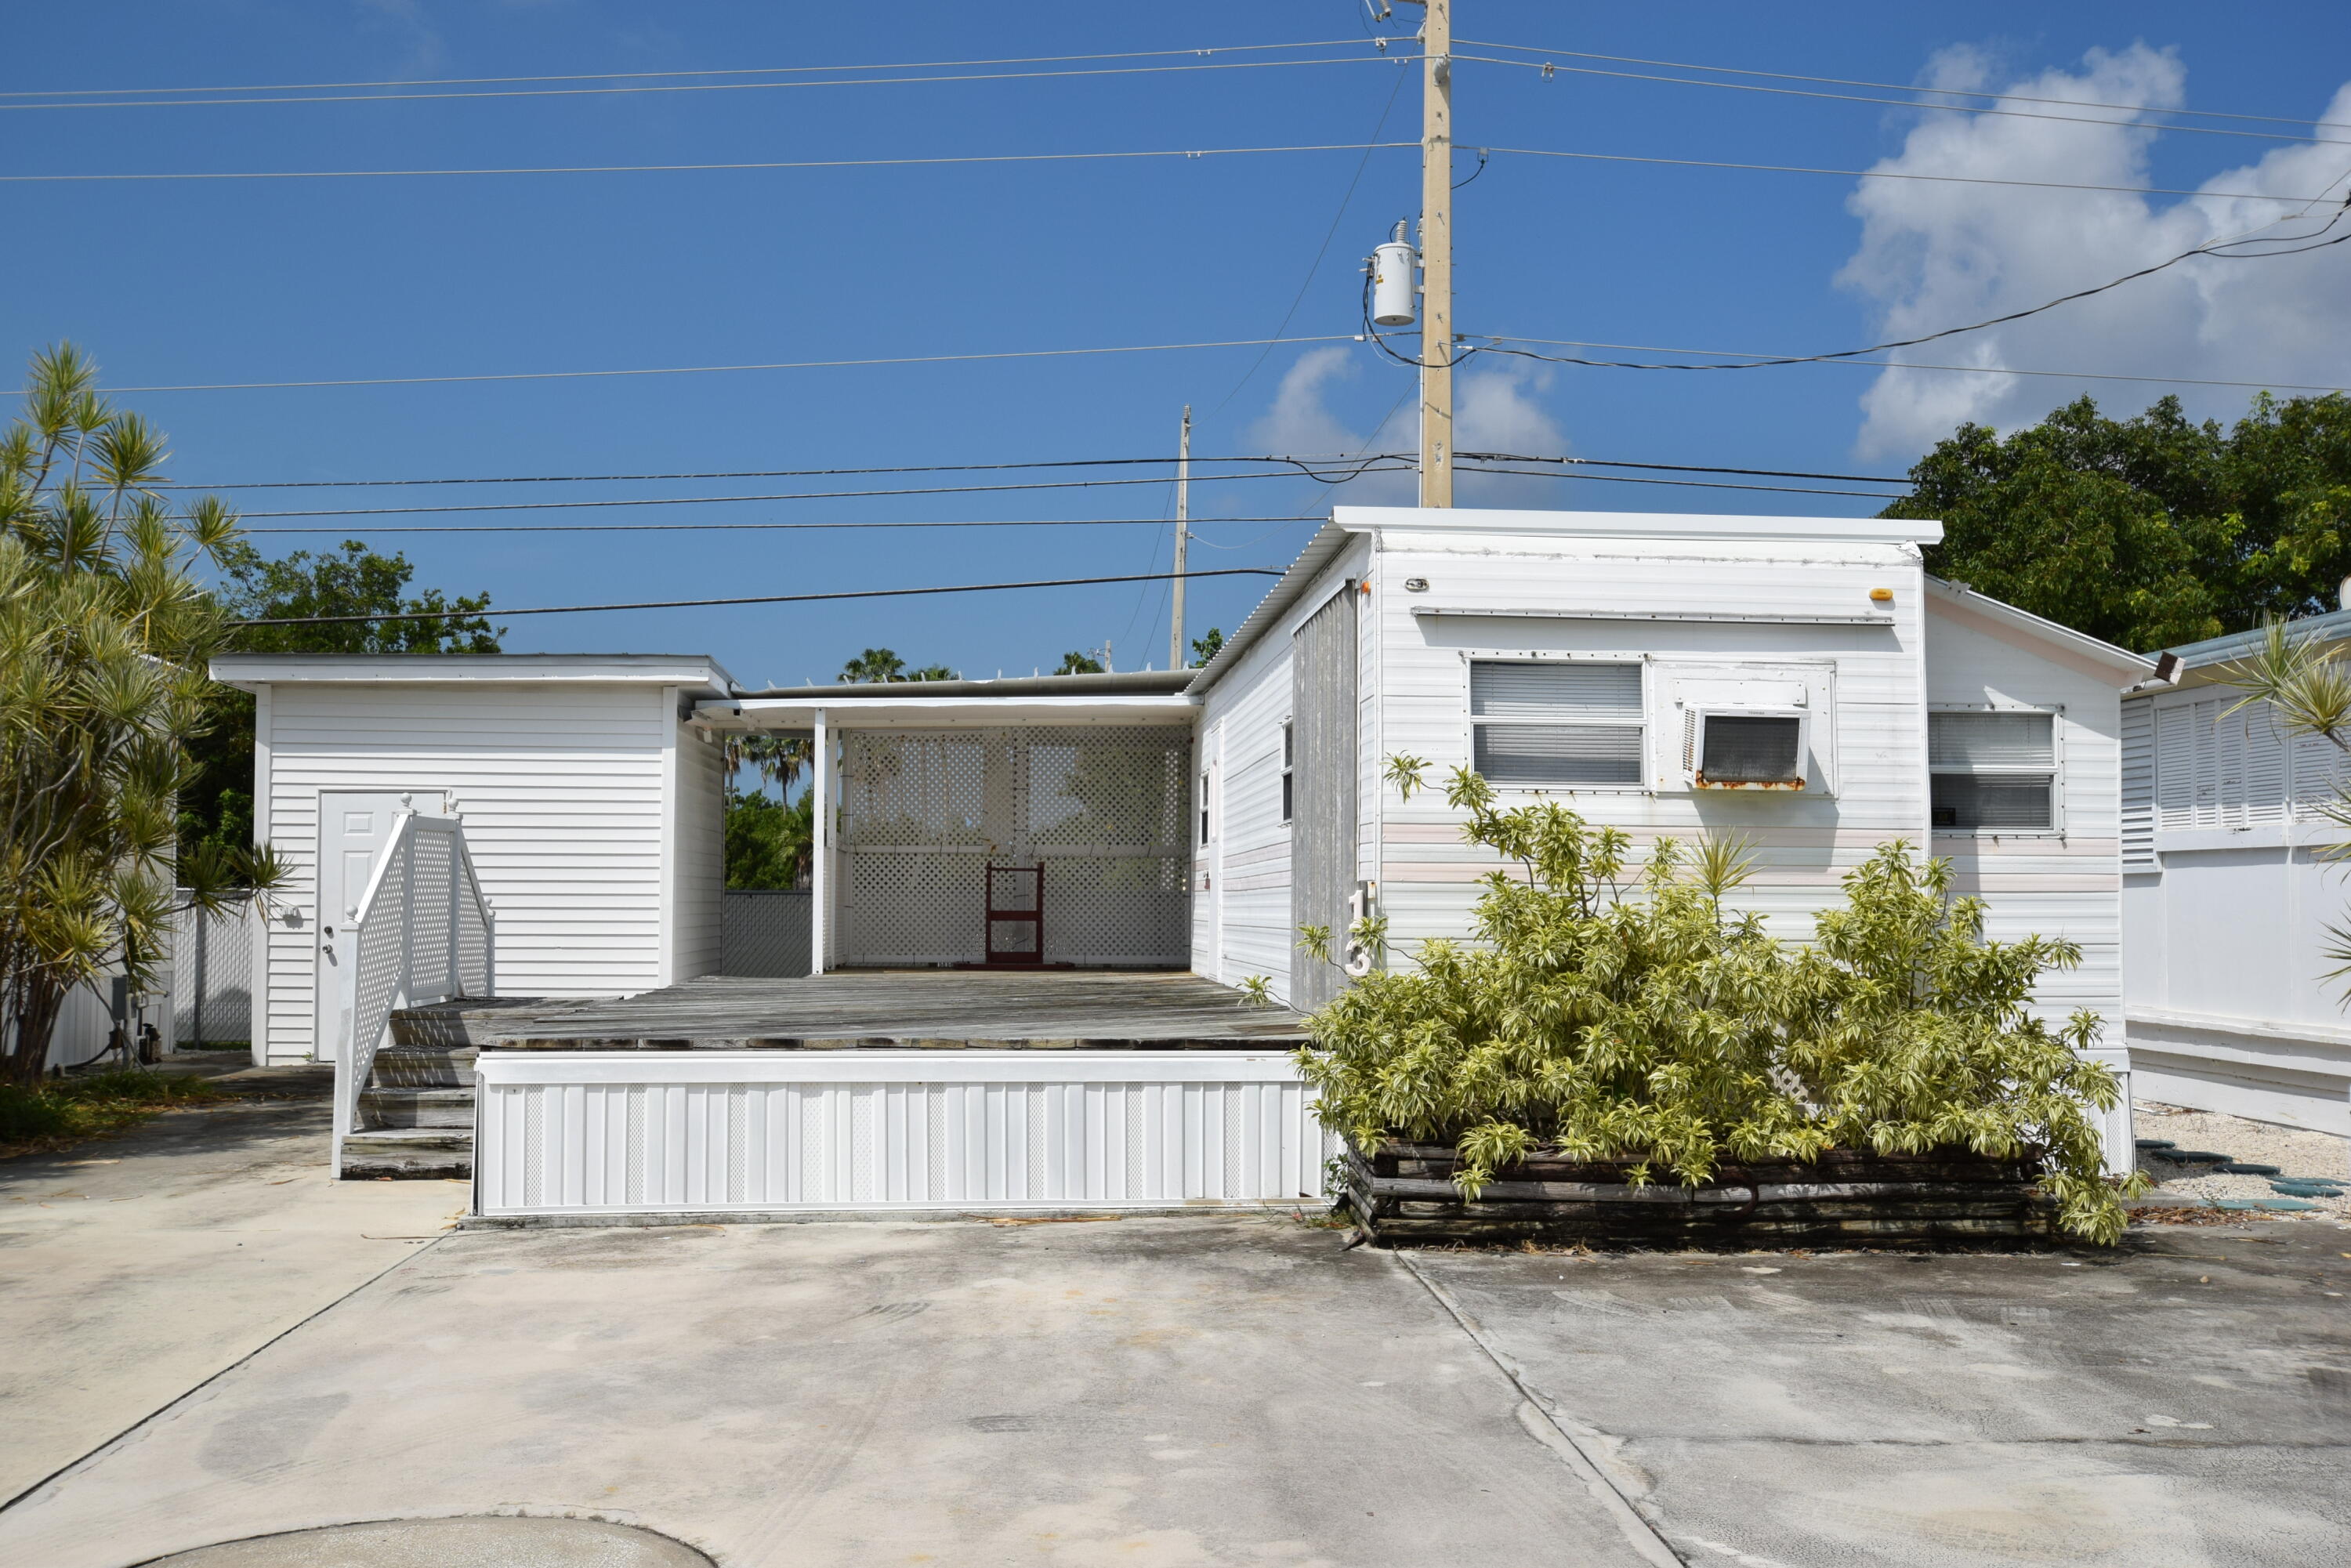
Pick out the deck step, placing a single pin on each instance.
(425, 1067)
(382, 1107)
(410, 1153)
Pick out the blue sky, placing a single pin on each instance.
(230, 281)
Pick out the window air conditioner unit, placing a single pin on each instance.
(1745, 748)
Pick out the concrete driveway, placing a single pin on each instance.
(133, 1268)
(1226, 1390)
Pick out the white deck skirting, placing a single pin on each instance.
(621, 1133)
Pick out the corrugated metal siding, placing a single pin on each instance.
(2064, 884)
(1326, 769)
(617, 1133)
(561, 792)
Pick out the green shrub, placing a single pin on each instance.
(1619, 1012)
(61, 1110)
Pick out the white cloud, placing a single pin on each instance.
(1495, 410)
(1934, 255)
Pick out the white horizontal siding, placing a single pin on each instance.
(561, 790)
(2067, 885)
(619, 1133)
(1804, 845)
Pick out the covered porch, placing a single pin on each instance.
(1014, 825)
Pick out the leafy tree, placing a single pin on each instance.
(217, 805)
(1650, 1022)
(2149, 531)
(769, 843)
(1206, 648)
(882, 665)
(1079, 661)
(104, 634)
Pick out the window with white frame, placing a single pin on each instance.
(1289, 768)
(1207, 784)
(1539, 722)
(1992, 772)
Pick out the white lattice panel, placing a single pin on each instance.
(620, 1132)
(1105, 809)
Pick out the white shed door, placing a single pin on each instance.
(353, 825)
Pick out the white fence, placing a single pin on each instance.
(764, 934)
(643, 1132)
(212, 977)
(422, 933)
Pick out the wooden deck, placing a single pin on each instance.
(875, 1010)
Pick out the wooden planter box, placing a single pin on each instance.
(1404, 1193)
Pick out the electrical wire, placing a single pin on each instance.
(1366, 148)
(1463, 463)
(733, 71)
(1547, 68)
(2219, 249)
(711, 369)
(701, 86)
(767, 527)
(788, 495)
(494, 613)
(1910, 86)
(748, 473)
(1960, 370)
(1890, 174)
(1314, 269)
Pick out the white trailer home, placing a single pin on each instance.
(1799, 681)
(2229, 895)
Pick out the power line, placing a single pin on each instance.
(1304, 460)
(1296, 461)
(700, 87)
(734, 527)
(1547, 68)
(1906, 365)
(788, 495)
(735, 71)
(1890, 174)
(748, 598)
(1912, 86)
(1469, 461)
(1315, 267)
(714, 370)
(2221, 250)
(1366, 148)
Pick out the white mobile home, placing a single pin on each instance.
(1798, 681)
(2229, 895)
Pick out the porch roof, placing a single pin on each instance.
(1138, 697)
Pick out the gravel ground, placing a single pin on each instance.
(2294, 1152)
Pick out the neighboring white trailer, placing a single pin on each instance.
(2228, 897)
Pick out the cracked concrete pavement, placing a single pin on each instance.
(134, 1266)
(2185, 1401)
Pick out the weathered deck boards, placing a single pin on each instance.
(870, 1009)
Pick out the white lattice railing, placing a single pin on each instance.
(422, 933)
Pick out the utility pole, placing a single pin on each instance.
(1437, 256)
(1175, 649)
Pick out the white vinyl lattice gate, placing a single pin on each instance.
(1102, 809)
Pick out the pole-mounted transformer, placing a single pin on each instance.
(1392, 281)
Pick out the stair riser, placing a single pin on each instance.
(422, 1069)
(420, 1167)
(411, 1115)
